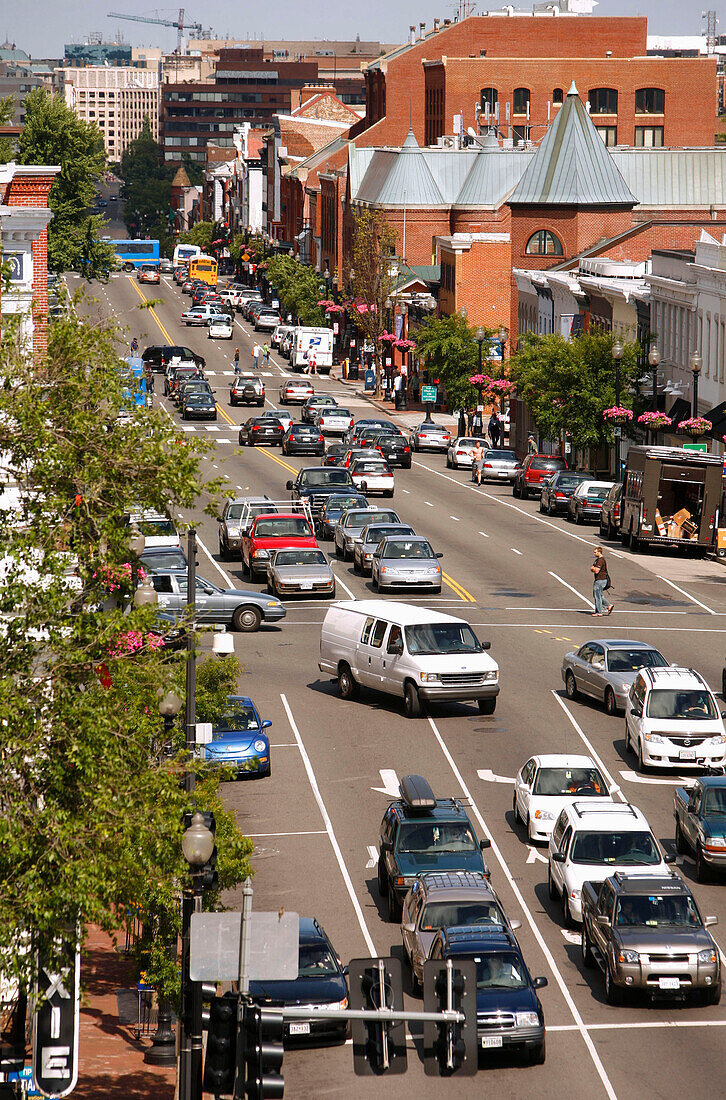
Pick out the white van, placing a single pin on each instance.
(408, 651)
(312, 341)
(157, 529)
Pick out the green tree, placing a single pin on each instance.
(568, 383)
(374, 247)
(199, 234)
(147, 179)
(448, 347)
(55, 135)
(7, 144)
(299, 289)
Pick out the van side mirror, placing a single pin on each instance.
(408, 926)
(636, 710)
(708, 922)
(486, 645)
(558, 857)
(386, 846)
(289, 485)
(439, 555)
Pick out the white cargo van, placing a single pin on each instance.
(408, 651)
(312, 341)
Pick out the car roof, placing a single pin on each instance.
(404, 613)
(456, 885)
(564, 760)
(686, 678)
(310, 930)
(408, 538)
(600, 815)
(240, 700)
(645, 884)
(712, 780)
(621, 643)
(249, 500)
(465, 938)
(593, 484)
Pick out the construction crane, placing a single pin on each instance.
(178, 23)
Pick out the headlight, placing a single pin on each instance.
(716, 841)
(707, 956)
(628, 957)
(718, 740)
(654, 737)
(428, 677)
(260, 553)
(260, 746)
(625, 687)
(526, 1019)
(490, 675)
(543, 815)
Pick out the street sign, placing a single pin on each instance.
(428, 393)
(25, 1076)
(55, 1025)
(214, 947)
(702, 448)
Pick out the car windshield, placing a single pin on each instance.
(278, 528)
(629, 847)
(502, 971)
(152, 527)
(657, 911)
(714, 801)
(433, 428)
(630, 660)
(400, 548)
(452, 914)
(441, 638)
(322, 478)
(696, 705)
(303, 429)
(596, 493)
(361, 519)
(569, 481)
(241, 719)
(300, 557)
(435, 837)
(375, 534)
(564, 781)
(314, 960)
(547, 464)
(340, 504)
(335, 410)
(173, 558)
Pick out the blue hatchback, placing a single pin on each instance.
(239, 739)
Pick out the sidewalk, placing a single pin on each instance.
(111, 1060)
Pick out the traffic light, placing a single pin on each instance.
(219, 1064)
(263, 1054)
(378, 1046)
(209, 879)
(450, 1048)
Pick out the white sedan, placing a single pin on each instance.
(220, 329)
(295, 391)
(548, 783)
(332, 420)
(460, 451)
(372, 475)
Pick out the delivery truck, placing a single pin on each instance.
(312, 341)
(671, 497)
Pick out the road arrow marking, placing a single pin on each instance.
(390, 783)
(571, 937)
(533, 856)
(372, 857)
(490, 777)
(633, 777)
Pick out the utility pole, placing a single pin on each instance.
(190, 715)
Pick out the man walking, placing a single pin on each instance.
(256, 352)
(478, 458)
(236, 361)
(265, 355)
(313, 363)
(494, 429)
(600, 584)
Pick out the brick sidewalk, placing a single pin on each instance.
(111, 1060)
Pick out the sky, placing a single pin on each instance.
(42, 27)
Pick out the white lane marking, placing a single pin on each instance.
(533, 856)
(215, 563)
(329, 829)
(339, 580)
(484, 535)
(610, 1091)
(581, 626)
(491, 777)
(515, 551)
(428, 504)
(406, 491)
(671, 781)
(390, 783)
(573, 590)
(686, 594)
(372, 856)
(455, 519)
(305, 832)
(614, 788)
(625, 611)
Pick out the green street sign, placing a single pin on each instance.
(428, 393)
(701, 447)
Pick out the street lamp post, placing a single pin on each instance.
(197, 846)
(190, 713)
(654, 362)
(617, 354)
(480, 337)
(502, 337)
(403, 310)
(695, 363)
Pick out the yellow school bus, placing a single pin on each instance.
(204, 268)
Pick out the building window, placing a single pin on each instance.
(558, 96)
(520, 104)
(609, 134)
(603, 101)
(543, 243)
(650, 101)
(519, 133)
(488, 97)
(648, 137)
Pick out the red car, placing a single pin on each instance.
(530, 475)
(281, 531)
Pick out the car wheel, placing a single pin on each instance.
(578, 517)
(356, 565)
(681, 846)
(565, 905)
(394, 906)
(247, 619)
(538, 1054)
(515, 490)
(222, 552)
(603, 532)
(382, 877)
(338, 552)
(588, 959)
(611, 705)
(541, 505)
(388, 493)
(613, 993)
(449, 463)
(712, 996)
(570, 685)
(642, 766)
(411, 701)
(436, 591)
(347, 683)
(551, 888)
(701, 865)
(515, 809)
(487, 706)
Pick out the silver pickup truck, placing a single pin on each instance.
(700, 813)
(646, 933)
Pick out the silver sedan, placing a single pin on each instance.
(370, 536)
(300, 572)
(605, 669)
(404, 561)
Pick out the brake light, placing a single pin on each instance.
(487, 466)
(320, 440)
(406, 450)
(560, 496)
(255, 427)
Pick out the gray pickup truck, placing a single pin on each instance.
(700, 813)
(646, 933)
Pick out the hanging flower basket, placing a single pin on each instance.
(478, 380)
(502, 387)
(695, 425)
(655, 421)
(618, 415)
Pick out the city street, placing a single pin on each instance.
(523, 581)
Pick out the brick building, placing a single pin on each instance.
(24, 218)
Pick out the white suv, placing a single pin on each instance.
(672, 719)
(592, 840)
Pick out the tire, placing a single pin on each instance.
(578, 517)
(487, 706)
(411, 701)
(247, 619)
(570, 685)
(611, 705)
(222, 552)
(356, 565)
(394, 906)
(565, 907)
(382, 877)
(711, 996)
(702, 869)
(389, 493)
(613, 993)
(338, 552)
(348, 687)
(537, 1056)
(642, 767)
(602, 531)
(588, 959)
(551, 888)
(681, 846)
(515, 810)
(541, 506)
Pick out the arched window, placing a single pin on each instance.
(558, 96)
(521, 101)
(488, 97)
(650, 101)
(543, 243)
(603, 101)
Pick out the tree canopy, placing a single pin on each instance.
(199, 234)
(298, 287)
(448, 348)
(147, 205)
(7, 145)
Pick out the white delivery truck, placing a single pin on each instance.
(312, 341)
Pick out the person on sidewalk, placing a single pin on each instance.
(397, 389)
(236, 361)
(494, 429)
(256, 352)
(600, 584)
(478, 459)
(265, 355)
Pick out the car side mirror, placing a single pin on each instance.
(558, 857)
(603, 919)
(485, 843)
(637, 711)
(539, 983)
(439, 555)
(396, 649)
(289, 485)
(708, 922)
(670, 858)
(408, 926)
(266, 723)
(516, 924)
(345, 971)
(386, 846)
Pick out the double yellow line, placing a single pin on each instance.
(459, 589)
(152, 311)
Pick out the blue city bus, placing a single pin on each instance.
(135, 391)
(131, 254)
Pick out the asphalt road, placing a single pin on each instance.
(523, 581)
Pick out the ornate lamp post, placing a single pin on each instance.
(617, 354)
(654, 362)
(480, 337)
(695, 364)
(197, 846)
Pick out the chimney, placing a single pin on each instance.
(421, 30)
(437, 23)
(309, 91)
(411, 35)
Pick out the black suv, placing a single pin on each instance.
(421, 833)
(316, 483)
(160, 355)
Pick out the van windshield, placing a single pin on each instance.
(628, 847)
(695, 705)
(432, 638)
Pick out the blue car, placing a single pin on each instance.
(239, 739)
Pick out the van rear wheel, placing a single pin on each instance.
(347, 684)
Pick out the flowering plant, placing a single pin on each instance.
(478, 380)
(112, 578)
(404, 345)
(132, 641)
(695, 425)
(656, 421)
(501, 386)
(388, 337)
(325, 303)
(618, 414)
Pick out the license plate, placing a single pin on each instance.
(489, 1042)
(306, 585)
(669, 983)
(687, 754)
(299, 1029)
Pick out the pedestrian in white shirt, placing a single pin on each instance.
(257, 352)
